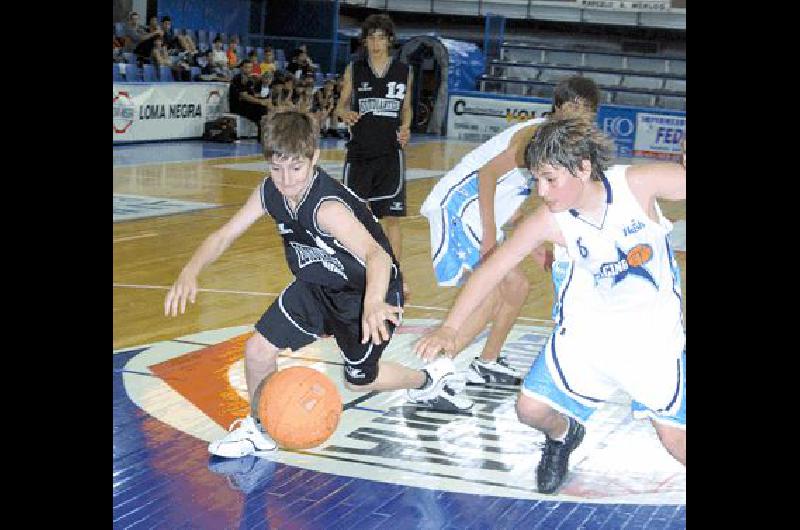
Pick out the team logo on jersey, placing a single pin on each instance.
(396, 206)
(282, 230)
(307, 255)
(631, 263)
(632, 228)
(364, 87)
(379, 106)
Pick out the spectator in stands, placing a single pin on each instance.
(324, 105)
(133, 34)
(253, 58)
(264, 85)
(242, 97)
(218, 59)
(170, 39)
(187, 45)
(144, 49)
(209, 72)
(268, 65)
(300, 65)
(233, 59)
(159, 55)
(119, 45)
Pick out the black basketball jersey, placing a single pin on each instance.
(313, 255)
(379, 100)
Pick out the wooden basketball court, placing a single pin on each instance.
(160, 475)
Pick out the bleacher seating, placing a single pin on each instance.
(636, 99)
(165, 74)
(132, 72)
(644, 64)
(676, 85)
(636, 81)
(672, 102)
(602, 60)
(634, 78)
(149, 73)
(117, 74)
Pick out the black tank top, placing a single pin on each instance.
(379, 100)
(313, 255)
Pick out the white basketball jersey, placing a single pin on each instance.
(622, 263)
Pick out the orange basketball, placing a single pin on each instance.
(299, 407)
(639, 255)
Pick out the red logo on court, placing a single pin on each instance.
(123, 112)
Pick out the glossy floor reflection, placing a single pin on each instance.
(178, 383)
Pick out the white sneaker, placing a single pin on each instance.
(244, 438)
(441, 393)
(498, 371)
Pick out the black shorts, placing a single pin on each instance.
(304, 311)
(380, 181)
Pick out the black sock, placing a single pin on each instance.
(427, 382)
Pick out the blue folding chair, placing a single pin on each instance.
(211, 35)
(149, 74)
(132, 72)
(318, 78)
(195, 72)
(202, 37)
(165, 74)
(260, 54)
(129, 57)
(117, 73)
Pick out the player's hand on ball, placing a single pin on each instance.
(373, 322)
(403, 135)
(185, 287)
(442, 339)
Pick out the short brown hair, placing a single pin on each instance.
(566, 139)
(377, 22)
(289, 133)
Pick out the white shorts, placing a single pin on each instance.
(583, 364)
(455, 221)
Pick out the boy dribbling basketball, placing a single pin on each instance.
(347, 282)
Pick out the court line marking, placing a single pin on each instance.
(140, 236)
(256, 293)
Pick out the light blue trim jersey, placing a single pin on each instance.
(453, 211)
(623, 263)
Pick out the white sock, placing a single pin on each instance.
(563, 437)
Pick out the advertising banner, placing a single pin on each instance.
(626, 5)
(165, 111)
(476, 118)
(659, 135)
(637, 132)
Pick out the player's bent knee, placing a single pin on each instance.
(533, 412)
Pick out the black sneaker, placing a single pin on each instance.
(498, 371)
(552, 467)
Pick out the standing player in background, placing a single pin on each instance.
(346, 283)
(466, 210)
(620, 324)
(376, 105)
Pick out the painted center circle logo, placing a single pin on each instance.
(123, 112)
(196, 384)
